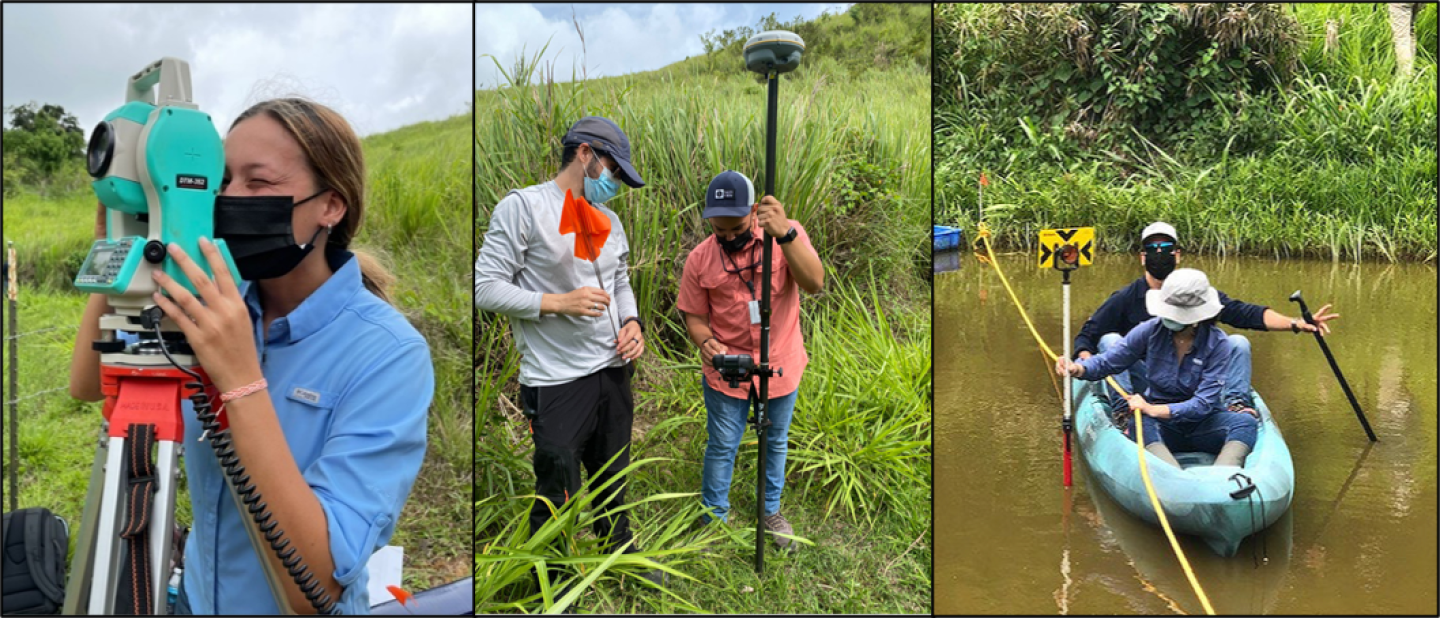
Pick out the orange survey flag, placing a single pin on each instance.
(400, 594)
(590, 226)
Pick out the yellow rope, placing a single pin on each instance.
(984, 237)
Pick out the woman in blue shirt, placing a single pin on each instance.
(1188, 359)
(327, 384)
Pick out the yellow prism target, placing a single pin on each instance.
(1067, 248)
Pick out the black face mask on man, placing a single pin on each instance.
(1160, 261)
(736, 243)
(739, 241)
(260, 235)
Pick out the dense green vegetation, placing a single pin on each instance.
(1244, 125)
(417, 197)
(42, 142)
(854, 168)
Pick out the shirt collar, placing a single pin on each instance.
(321, 307)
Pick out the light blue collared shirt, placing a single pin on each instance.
(351, 381)
(1191, 387)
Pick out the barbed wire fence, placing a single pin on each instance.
(13, 396)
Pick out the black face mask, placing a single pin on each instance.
(739, 242)
(259, 234)
(1160, 263)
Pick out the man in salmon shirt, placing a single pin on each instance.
(720, 296)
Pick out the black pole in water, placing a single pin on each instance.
(1310, 319)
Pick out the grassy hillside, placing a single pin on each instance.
(417, 218)
(853, 160)
(1246, 129)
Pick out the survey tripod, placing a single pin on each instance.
(157, 162)
(769, 53)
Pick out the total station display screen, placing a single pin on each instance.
(98, 260)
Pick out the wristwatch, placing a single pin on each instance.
(1295, 326)
(637, 323)
(788, 237)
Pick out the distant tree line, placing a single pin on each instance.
(42, 144)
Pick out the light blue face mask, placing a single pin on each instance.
(1173, 325)
(603, 189)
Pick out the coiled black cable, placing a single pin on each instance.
(224, 449)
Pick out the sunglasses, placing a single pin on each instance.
(1157, 247)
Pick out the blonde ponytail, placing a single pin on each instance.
(378, 279)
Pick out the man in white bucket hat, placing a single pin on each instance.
(1128, 307)
(1189, 363)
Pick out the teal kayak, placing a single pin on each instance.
(1220, 504)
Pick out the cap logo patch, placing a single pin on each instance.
(724, 194)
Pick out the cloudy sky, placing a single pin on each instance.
(619, 38)
(381, 66)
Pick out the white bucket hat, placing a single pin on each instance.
(1185, 297)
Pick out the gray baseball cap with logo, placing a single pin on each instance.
(730, 194)
(604, 135)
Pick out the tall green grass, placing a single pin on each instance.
(853, 162)
(416, 219)
(1364, 48)
(1337, 163)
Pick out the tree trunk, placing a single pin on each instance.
(1402, 16)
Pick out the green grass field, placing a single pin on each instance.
(1337, 160)
(854, 168)
(417, 218)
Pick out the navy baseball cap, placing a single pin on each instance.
(730, 194)
(602, 134)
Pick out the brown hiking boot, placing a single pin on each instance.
(777, 523)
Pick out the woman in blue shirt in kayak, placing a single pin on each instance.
(326, 384)
(1189, 363)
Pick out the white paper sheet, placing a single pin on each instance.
(385, 570)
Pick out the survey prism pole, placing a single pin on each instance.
(1067, 423)
(1066, 250)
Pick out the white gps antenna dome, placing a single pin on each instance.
(773, 50)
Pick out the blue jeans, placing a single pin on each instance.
(725, 425)
(1207, 434)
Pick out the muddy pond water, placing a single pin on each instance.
(1359, 537)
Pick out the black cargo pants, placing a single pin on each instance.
(586, 421)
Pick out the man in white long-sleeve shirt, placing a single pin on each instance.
(574, 372)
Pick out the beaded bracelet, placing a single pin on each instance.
(248, 389)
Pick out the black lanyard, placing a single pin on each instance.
(749, 285)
